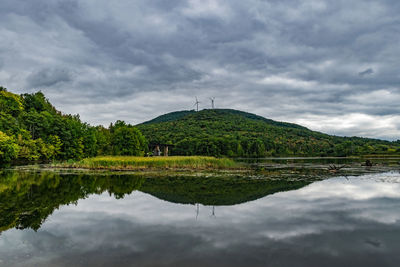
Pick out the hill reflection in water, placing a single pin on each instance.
(121, 221)
(28, 198)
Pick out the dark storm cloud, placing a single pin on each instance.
(48, 77)
(366, 72)
(285, 60)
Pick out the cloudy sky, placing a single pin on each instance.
(332, 66)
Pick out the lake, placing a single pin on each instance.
(291, 212)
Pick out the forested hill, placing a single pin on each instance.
(33, 129)
(170, 116)
(235, 133)
(176, 115)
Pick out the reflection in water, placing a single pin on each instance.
(28, 198)
(335, 222)
(215, 191)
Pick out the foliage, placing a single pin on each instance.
(10, 103)
(8, 148)
(127, 140)
(170, 116)
(32, 129)
(223, 132)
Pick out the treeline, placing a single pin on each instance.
(32, 129)
(238, 134)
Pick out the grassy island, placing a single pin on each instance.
(144, 163)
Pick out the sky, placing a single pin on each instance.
(332, 66)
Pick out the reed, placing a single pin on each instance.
(142, 163)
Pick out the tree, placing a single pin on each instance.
(127, 140)
(8, 148)
(10, 103)
(37, 102)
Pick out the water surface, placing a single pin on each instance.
(52, 219)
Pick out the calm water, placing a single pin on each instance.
(49, 219)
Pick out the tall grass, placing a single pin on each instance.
(138, 163)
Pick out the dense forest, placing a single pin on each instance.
(32, 129)
(233, 133)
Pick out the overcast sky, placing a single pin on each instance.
(332, 66)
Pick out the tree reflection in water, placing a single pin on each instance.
(28, 198)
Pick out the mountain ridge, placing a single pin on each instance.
(175, 115)
(208, 131)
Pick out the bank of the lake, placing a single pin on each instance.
(130, 163)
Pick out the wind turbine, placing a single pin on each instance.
(213, 212)
(197, 210)
(212, 102)
(197, 104)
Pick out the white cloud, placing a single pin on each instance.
(385, 127)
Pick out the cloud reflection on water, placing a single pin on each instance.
(334, 222)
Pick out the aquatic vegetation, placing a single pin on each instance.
(141, 163)
(28, 195)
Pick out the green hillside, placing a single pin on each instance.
(170, 116)
(32, 129)
(225, 132)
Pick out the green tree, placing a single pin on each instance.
(8, 148)
(127, 140)
(10, 103)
